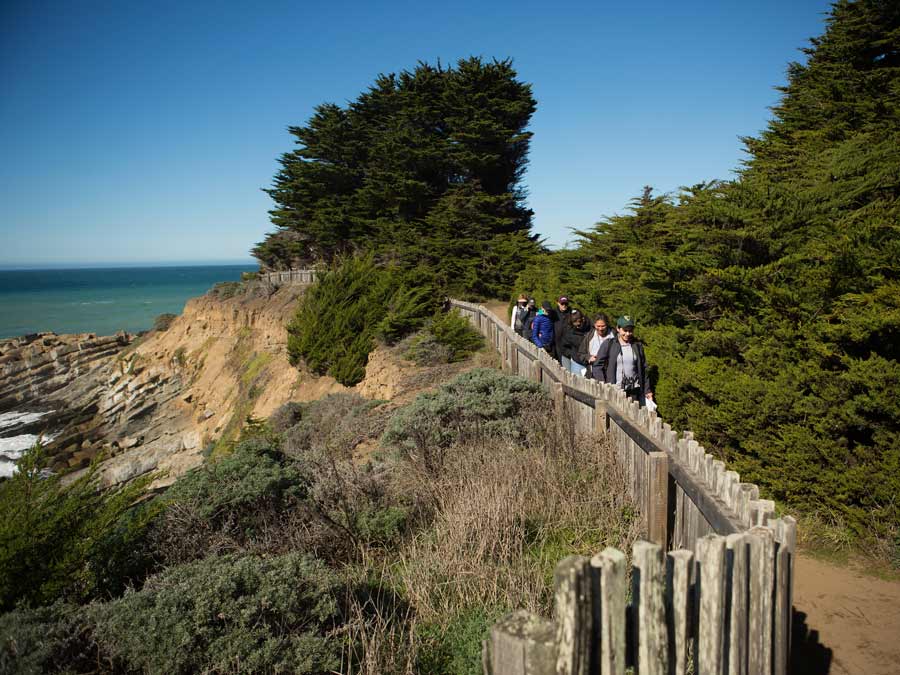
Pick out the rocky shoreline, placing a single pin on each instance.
(155, 402)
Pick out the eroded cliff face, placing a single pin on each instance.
(155, 403)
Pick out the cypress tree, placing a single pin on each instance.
(423, 168)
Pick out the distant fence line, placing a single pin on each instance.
(283, 277)
(712, 586)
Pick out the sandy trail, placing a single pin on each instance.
(853, 620)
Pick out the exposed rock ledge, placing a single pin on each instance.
(155, 403)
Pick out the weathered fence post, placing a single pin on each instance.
(559, 400)
(678, 608)
(649, 609)
(574, 614)
(658, 486)
(786, 538)
(711, 605)
(601, 421)
(736, 644)
(612, 611)
(521, 644)
(762, 575)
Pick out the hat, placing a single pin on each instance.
(625, 322)
(522, 297)
(546, 306)
(531, 302)
(563, 300)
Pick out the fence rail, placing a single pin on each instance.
(282, 277)
(711, 586)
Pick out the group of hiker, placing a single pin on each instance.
(590, 349)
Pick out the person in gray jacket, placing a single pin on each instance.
(590, 345)
(623, 362)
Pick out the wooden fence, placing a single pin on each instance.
(288, 277)
(711, 587)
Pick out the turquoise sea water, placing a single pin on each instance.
(101, 301)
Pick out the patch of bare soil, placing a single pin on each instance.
(499, 308)
(848, 622)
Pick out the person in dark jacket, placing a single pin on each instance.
(574, 331)
(542, 328)
(590, 345)
(527, 318)
(560, 318)
(624, 364)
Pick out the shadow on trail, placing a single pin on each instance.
(808, 655)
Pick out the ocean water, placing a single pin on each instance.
(101, 301)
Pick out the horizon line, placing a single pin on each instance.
(15, 267)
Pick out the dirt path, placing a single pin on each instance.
(853, 620)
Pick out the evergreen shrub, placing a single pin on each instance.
(227, 289)
(162, 323)
(352, 502)
(76, 542)
(446, 338)
(54, 639)
(242, 501)
(231, 614)
(477, 404)
(351, 306)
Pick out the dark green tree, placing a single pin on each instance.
(770, 303)
(424, 167)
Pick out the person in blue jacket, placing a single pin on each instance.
(542, 331)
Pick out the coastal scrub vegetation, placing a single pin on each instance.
(67, 542)
(771, 303)
(357, 303)
(296, 553)
(423, 169)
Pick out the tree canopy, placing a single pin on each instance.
(424, 168)
(771, 303)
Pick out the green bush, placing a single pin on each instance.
(456, 333)
(260, 500)
(353, 500)
(479, 403)
(75, 541)
(227, 615)
(446, 338)
(333, 425)
(52, 639)
(453, 647)
(243, 501)
(286, 416)
(348, 308)
(423, 349)
(162, 323)
(227, 289)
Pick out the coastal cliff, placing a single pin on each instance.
(157, 402)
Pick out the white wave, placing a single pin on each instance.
(7, 468)
(12, 448)
(11, 419)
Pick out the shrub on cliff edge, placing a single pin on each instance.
(76, 542)
(351, 306)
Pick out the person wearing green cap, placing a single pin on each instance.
(623, 362)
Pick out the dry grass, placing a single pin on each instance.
(497, 519)
(504, 514)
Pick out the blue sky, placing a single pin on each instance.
(143, 132)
